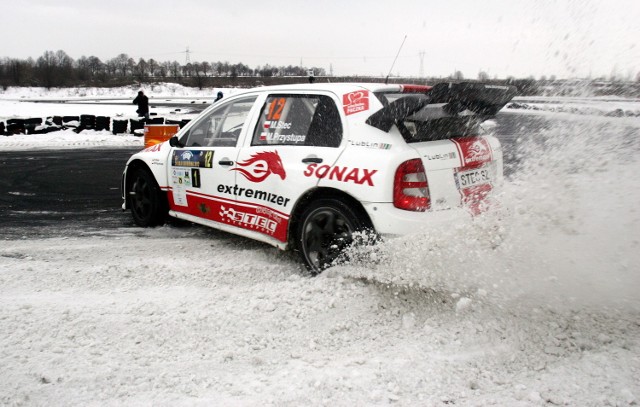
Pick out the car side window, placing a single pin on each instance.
(299, 120)
(221, 127)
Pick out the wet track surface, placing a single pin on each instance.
(51, 193)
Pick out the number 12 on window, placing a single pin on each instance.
(275, 108)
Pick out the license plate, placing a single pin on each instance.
(472, 178)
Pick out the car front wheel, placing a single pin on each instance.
(325, 230)
(148, 206)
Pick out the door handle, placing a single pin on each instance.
(309, 160)
(225, 162)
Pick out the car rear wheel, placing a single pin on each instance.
(325, 230)
(148, 205)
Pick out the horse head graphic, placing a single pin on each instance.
(260, 165)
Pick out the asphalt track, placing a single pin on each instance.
(53, 192)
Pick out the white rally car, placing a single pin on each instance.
(306, 166)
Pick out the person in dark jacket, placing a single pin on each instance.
(143, 105)
(218, 97)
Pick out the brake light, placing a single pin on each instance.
(410, 188)
(415, 88)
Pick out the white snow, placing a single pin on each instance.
(537, 305)
(112, 102)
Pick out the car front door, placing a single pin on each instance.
(201, 185)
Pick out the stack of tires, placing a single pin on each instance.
(103, 123)
(120, 126)
(82, 122)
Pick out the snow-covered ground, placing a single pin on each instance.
(540, 306)
(115, 103)
(609, 106)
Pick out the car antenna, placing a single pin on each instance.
(386, 81)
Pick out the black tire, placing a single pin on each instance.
(325, 229)
(147, 202)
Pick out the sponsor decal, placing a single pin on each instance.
(181, 177)
(360, 176)
(253, 194)
(473, 151)
(441, 156)
(260, 166)
(246, 215)
(248, 220)
(368, 144)
(268, 212)
(153, 148)
(476, 198)
(180, 181)
(192, 158)
(204, 208)
(355, 102)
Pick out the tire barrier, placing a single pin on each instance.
(120, 126)
(171, 121)
(66, 120)
(136, 125)
(87, 121)
(103, 123)
(155, 120)
(15, 126)
(80, 123)
(31, 124)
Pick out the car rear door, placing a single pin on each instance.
(296, 139)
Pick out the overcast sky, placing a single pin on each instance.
(501, 37)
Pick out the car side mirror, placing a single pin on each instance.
(175, 142)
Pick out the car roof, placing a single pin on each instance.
(338, 87)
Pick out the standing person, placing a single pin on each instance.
(218, 97)
(143, 105)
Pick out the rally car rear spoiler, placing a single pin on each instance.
(482, 99)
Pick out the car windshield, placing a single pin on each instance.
(419, 121)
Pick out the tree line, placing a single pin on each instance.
(58, 69)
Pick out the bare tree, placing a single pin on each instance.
(205, 68)
(153, 67)
(141, 69)
(175, 69)
(46, 66)
(483, 76)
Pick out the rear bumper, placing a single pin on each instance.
(389, 220)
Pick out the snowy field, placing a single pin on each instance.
(537, 307)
